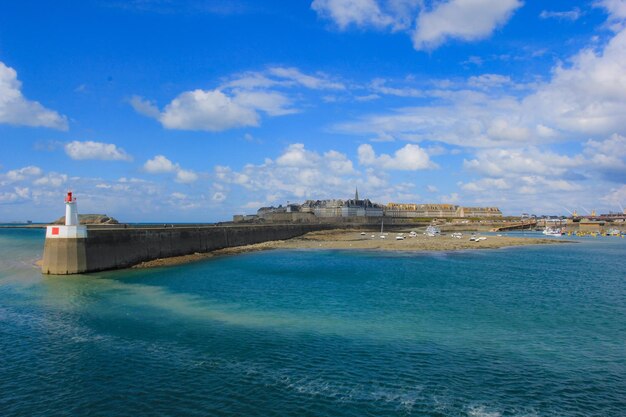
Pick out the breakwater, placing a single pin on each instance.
(120, 247)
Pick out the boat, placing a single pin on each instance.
(432, 231)
(550, 231)
(382, 236)
(399, 237)
(456, 235)
(412, 234)
(362, 233)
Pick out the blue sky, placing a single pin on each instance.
(193, 110)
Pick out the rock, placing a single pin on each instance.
(90, 219)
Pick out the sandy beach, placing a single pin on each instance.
(353, 240)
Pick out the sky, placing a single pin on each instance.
(195, 110)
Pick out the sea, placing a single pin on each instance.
(525, 331)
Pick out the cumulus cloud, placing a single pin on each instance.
(522, 177)
(466, 20)
(583, 97)
(523, 161)
(352, 12)
(299, 173)
(52, 179)
(200, 110)
(23, 173)
(96, 150)
(161, 165)
(408, 158)
(239, 102)
(15, 109)
(461, 19)
(185, 176)
(616, 8)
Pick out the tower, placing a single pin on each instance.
(71, 212)
(64, 249)
(356, 194)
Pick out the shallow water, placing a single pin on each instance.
(530, 331)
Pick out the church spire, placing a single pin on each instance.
(356, 194)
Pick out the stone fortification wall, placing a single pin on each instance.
(116, 248)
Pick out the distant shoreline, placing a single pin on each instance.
(353, 240)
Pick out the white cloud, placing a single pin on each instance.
(616, 8)
(186, 176)
(584, 98)
(219, 197)
(515, 162)
(297, 173)
(486, 81)
(96, 150)
(215, 110)
(572, 15)
(15, 109)
(615, 145)
(487, 184)
(52, 179)
(408, 158)
(272, 103)
(207, 110)
(145, 107)
(348, 12)
(238, 102)
(161, 165)
(616, 196)
(587, 97)
(467, 20)
(297, 156)
(314, 82)
(23, 173)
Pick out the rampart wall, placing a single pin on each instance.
(115, 248)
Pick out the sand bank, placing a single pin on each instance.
(352, 239)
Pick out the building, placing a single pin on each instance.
(361, 208)
(478, 212)
(409, 210)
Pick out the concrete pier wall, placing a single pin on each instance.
(117, 248)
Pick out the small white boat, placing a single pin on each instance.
(549, 231)
(399, 237)
(412, 234)
(362, 233)
(432, 231)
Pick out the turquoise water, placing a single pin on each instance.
(536, 331)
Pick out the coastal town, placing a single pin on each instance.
(364, 211)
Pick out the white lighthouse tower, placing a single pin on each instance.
(72, 228)
(71, 212)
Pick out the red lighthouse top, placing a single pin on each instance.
(68, 197)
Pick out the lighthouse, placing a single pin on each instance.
(64, 250)
(72, 228)
(71, 212)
